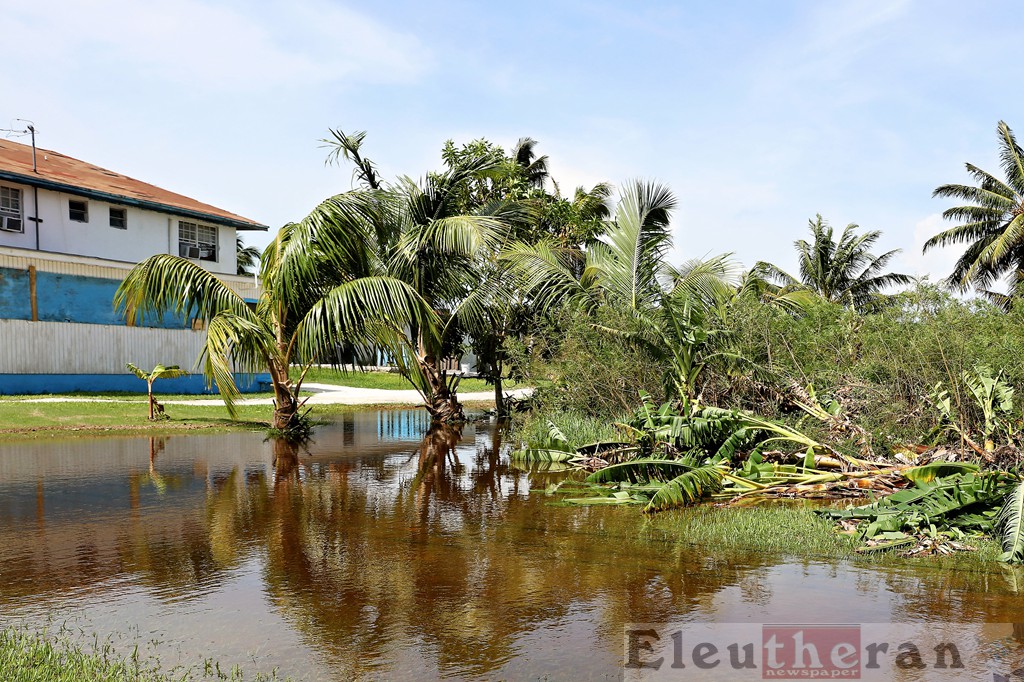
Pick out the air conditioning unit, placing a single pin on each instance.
(11, 224)
(194, 252)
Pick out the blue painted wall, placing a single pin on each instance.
(67, 298)
(23, 384)
(14, 295)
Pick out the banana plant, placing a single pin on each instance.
(159, 372)
(993, 396)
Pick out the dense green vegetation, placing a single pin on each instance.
(817, 385)
(720, 375)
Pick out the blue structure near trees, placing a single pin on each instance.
(67, 298)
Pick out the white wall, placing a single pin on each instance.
(148, 233)
(245, 285)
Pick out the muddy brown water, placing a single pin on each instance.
(384, 554)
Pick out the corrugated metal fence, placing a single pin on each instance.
(65, 348)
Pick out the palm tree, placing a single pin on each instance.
(159, 372)
(418, 233)
(319, 289)
(669, 311)
(844, 272)
(991, 223)
(248, 257)
(534, 168)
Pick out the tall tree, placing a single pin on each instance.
(669, 311)
(843, 271)
(437, 239)
(248, 257)
(319, 287)
(519, 177)
(991, 223)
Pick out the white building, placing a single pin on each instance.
(69, 232)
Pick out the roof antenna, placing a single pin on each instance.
(32, 129)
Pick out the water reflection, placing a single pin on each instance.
(381, 553)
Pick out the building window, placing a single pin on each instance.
(119, 218)
(78, 211)
(10, 210)
(198, 242)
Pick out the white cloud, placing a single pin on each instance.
(213, 46)
(939, 261)
(821, 53)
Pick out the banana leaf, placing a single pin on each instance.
(940, 502)
(685, 489)
(930, 472)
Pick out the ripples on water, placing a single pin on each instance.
(382, 552)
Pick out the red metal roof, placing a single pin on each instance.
(64, 173)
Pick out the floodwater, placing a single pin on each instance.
(384, 553)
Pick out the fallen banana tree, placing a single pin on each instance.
(679, 455)
(946, 503)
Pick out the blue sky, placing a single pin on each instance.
(757, 114)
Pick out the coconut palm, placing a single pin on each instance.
(670, 311)
(534, 168)
(843, 271)
(247, 257)
(991, 223)
(319, 287)
(420, 234)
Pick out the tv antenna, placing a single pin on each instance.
(30, 129)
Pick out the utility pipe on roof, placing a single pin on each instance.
(35, 189)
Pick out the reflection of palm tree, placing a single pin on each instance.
(345, 570)
(286, 459)
(435, 451)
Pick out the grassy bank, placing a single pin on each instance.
(114, 412)
(21, 419)
(27, 656)
(782, 528)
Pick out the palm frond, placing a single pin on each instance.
(165, 283)
(1010, 526)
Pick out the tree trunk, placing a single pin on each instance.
(286, 408)
(285, 415)
(443, 404)
(149, 392)
(499, 396)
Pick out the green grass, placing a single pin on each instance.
(27, 656)
(580, 429)
(793, 530)
(21, 418)
(124, 396)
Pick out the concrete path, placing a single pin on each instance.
(329, 394)
(323, 394)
